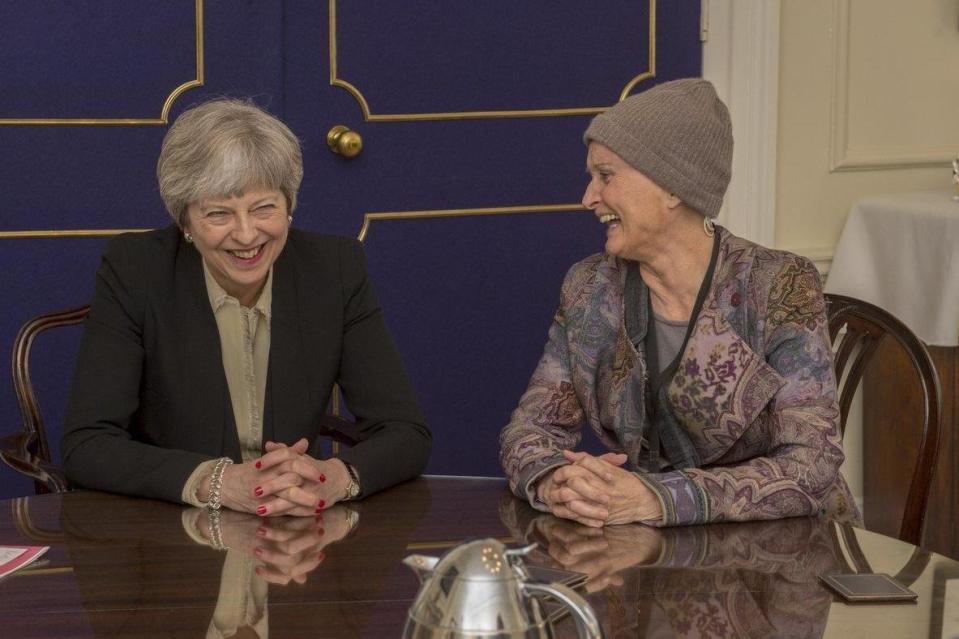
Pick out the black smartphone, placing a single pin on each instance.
(872, 587)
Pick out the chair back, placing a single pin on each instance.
(856, 329)
(28, 451)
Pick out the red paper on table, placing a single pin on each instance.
(15, 557)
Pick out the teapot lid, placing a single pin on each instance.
(479, 560)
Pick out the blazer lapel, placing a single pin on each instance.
(201, 361)
(288, 379)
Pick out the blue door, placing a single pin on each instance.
(465, 191)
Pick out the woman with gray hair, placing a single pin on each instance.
(701, 360)
(212, 346)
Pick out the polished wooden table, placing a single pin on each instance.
(122, 567)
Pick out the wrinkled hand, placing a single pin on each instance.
(293, 483)
(600, 553)
(596, 492)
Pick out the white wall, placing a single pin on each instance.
(868, 104)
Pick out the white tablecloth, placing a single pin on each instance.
(901, 252)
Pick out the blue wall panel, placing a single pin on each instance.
(460, 56)
(105, 59)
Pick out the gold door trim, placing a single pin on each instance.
(47, 234)
(164, 112)
(369, 218)
(369, 116)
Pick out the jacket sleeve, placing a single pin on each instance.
(549, 416)
(98, 448)
(799, 449)
(393, 440)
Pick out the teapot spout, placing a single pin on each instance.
(422, 565)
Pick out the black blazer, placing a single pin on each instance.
(150, 401)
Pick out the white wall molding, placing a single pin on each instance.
(741, 58)
(844, 157)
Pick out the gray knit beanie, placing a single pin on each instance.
(678, 134)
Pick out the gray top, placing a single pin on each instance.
(669, 339)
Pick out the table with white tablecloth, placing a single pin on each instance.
(901, 252)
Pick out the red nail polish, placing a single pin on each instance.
(261, 532)
(322, 478)
(258, 491)
(261, 510)
(258, 551)
(259, 465)
(320, 530)
(321, 505)
(321, 556)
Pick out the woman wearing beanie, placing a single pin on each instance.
(701, 360)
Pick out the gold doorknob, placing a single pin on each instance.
(343, 141)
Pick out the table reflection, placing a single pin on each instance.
(756, 579)
(286, 548)
(122, 567)
(261, 552)
(145, 563)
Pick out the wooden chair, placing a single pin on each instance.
(856, 329)
(28, 451)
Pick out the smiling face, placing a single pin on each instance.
(239, 238)
(634, 209)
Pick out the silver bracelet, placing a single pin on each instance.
(216, 482)
(216, 534)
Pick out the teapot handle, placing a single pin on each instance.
(586, 622)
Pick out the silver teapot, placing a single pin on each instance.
(483, 589)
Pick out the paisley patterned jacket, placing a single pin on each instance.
(754, 391)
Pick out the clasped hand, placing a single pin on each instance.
(596, 491)
(284, 481)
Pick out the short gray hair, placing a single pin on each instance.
(222, 147)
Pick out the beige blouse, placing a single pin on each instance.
(245, 345)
